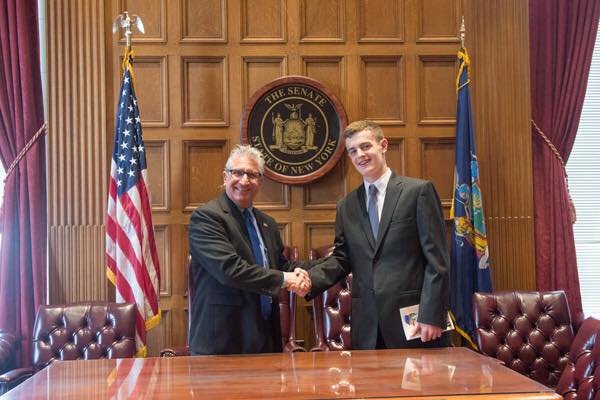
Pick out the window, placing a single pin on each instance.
(583, 168)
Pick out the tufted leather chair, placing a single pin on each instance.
(87, 330)
(529, 332)
(331, 311)
(287, 312)
(581, 377)
(8, 346)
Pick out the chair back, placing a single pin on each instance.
(578, 380)
(86, 330)
(529, 332)
(8, 348)
(332, 311)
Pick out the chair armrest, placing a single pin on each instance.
(175, 352)
(12, 378)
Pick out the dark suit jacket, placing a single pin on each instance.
(407, 264)
(226, 307)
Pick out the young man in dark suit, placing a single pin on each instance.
(389, 233)
(238, 266)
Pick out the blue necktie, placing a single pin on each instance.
(265, 301)
(373, 214)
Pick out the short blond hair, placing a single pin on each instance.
(364, 125)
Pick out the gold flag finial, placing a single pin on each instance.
(462, 33)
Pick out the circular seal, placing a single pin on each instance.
(297, 124)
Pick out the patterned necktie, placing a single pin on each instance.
(373, 214)
(265, 301)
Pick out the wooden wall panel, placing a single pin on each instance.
(390, 60)
(383, 95)
(382, 21)
(154, 17)
(163, 244)
(322, 21)
(263, 21)
(158, 161)
(203, 21)
(152, 90)
(437, 20)
(205, 91)
(203, 171)
(437, 88)
(259, 71)
(436, 155)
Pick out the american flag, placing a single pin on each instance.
(132, 260)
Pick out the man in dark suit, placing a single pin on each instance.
(238, 266)
(389, 233)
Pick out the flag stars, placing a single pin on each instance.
(133, 161)
(119, 183)
(120, 170)
(137, 119)
(122, 157)
(126, 79)
(130, 108)
(131, 173)
(126, 132)
(123, 145)
(140, 148)
(129, 120)
(135, 149)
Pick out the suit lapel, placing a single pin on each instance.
(392, 194)
(361, 210)
(233, 214)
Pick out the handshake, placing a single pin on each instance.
(297, 282)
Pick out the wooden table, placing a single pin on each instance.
(436, 374)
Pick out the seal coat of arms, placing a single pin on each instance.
(297, 124)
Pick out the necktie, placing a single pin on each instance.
(265, 301)
(373, 214)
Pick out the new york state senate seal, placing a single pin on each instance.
(297, 123)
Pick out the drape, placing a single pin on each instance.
(562, 37)
(23, 219)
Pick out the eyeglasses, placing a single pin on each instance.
(239, 174)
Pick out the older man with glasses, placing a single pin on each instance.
(238, 266)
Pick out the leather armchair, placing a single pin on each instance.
(530, 332)
(332, 311)
(87, 330)
(581, 377)
(287, 313)
(8, 346)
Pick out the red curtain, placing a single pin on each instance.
(562, 37)
(23, 249)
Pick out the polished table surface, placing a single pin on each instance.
(432, 373)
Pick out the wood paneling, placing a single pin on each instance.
(383, 95)
(263, 21)
(499, 43)
(152, 90)
(437, 89)
(390, 60)
(381, 21)
(205, 91)
(203, 21)
(154, 17)
(203, 171)
(322, 21)
(77, 150)
(157, 157)
(437, 20)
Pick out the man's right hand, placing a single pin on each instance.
(298, 282)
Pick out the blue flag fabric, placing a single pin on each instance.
(470, 264)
